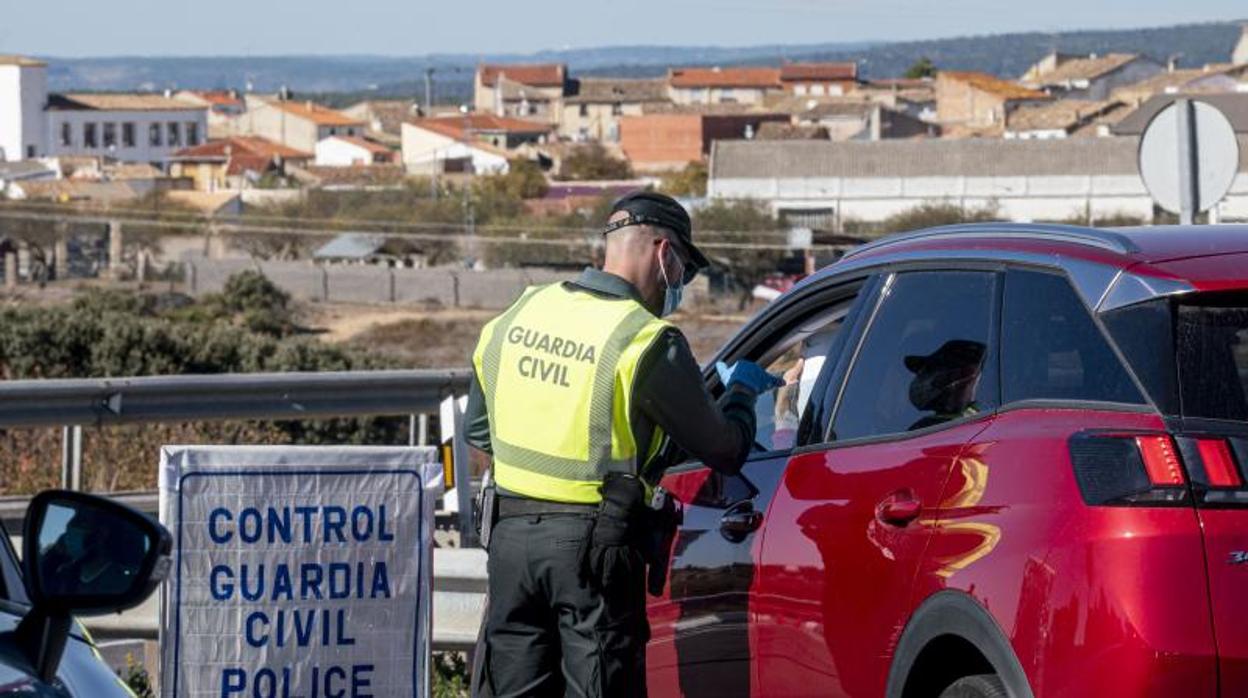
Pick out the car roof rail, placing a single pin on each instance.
(1094, 237)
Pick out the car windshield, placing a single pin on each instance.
(1211, 339)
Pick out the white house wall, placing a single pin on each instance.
(142, 151)
(23, 92)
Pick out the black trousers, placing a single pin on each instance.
(547, 632)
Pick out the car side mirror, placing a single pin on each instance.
(84, 555)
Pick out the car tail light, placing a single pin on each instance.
(1214, 463)
(1128, 469)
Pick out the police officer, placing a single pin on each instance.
(577, 386)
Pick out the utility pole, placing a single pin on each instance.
(428, 91)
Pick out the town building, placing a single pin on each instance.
(1212, 78)
(348, 151)
(1234, 105)
(970, 101)
(687, 86)
(857, 118)
(384, 116)
(477, 143)
(1064, 118)
(23, 93)
(533, 91)
(222, 105)
(593, 106)
(1239, 55)
(295, 124)
(1092, 77)
(1024, 180)
(819, 79)
(127, 127)
(237, 162)
(658, 142)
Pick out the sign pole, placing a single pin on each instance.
(1189, 179)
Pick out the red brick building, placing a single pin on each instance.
(659, 142)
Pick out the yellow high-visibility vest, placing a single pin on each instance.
(557, 372)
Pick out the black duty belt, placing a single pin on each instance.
(523, 506)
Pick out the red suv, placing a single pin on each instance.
(1009, 460)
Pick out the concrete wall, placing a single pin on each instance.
(445, 287)
(1017, 198)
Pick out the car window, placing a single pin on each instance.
(11, 587)
(927, 358)
(1051, 349)
(803, 355)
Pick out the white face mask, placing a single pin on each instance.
(672, 294)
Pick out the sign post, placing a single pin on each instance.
(298, 571)
(1188, 158)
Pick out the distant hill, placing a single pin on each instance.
(1002, 54)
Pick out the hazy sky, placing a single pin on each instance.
(415, 27)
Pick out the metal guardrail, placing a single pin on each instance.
(59, 402)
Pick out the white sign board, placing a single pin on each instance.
(1188, 156)
(299, 571)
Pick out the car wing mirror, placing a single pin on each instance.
(84, 555)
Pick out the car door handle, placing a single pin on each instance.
(739, 521)
(899, 508)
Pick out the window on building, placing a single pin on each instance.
(110, 135)
(175, 134)
(350, 131)
(192, 133)
(927, 358)
(727, 96)
(88, 136)
(617, 109)
(583, 110)
(1051, 349)
(155, 135)
(30, 151)
(127, 134)
(333, 131)
(67, 134)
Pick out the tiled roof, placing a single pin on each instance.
(1064, 114)
(936, 157)
(724, 77)
(248, 162)
(536, 74)
(22, 61)
(1084, 68)
(992, 84)
(119, 102)
(217, 98)
(454, 126)
(1233, 104)
(610, 90)
(240, 145)
(847, 70)
(317, 114)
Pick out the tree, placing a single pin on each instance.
(743, 238)
(691, 181)
(592, 161)
(922, 68)
(524, 179)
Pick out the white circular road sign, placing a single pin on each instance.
(1188, 156)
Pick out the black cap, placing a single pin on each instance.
(652, 208)
(954, 354)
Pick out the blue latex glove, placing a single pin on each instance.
(748, 375)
